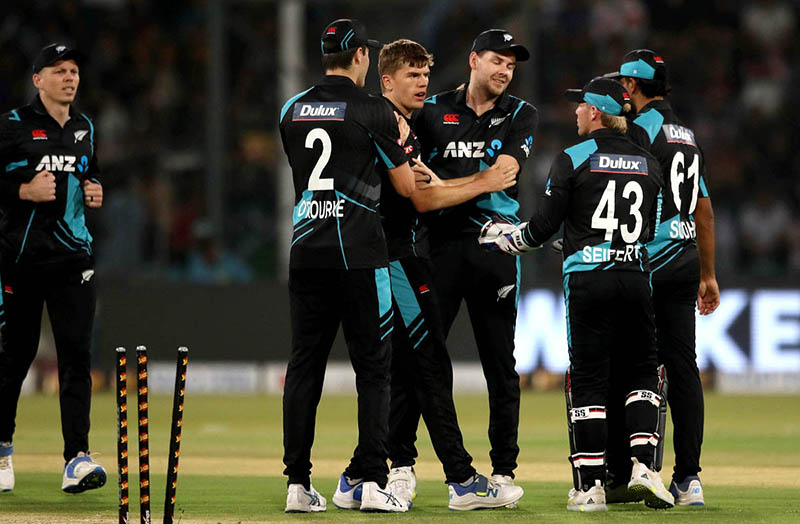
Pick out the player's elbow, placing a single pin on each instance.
(405, 190)
(422, 204)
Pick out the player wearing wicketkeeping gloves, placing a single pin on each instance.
(681, 260)
(422, 375)
(462, 132)
(50, 175)
(604, 190)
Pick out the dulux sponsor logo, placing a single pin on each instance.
(319, 111)
(676, 133)
(619, 164)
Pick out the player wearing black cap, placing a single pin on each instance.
(604, 190)
(422, 375)
(48, 153)
(682, 263)
(334, 135)
(462, 132)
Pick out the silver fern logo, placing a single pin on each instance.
(504, 291)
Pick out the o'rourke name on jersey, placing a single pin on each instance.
(598, 254)
(320, 209)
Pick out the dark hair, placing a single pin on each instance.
(341, 60)
(399, 52)
(653, 88)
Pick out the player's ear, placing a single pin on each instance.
(473, 60)
(36, 79)
(386, 83)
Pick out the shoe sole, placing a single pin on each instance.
(287, 510)
(381, 510)
(651, 499)
(350, 504)
(587, 508)
(481, 504)
(95, 479)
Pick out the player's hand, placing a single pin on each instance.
(558, 245)
(498, 178)
(424, 177)
(92, 194)
(708, 295)
(402, 125)
(505, 237)
(42, 188)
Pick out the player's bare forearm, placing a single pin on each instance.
(708, 296)
(403, 180)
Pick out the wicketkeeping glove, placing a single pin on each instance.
(505, 237)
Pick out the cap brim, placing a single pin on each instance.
(71, 54)
(374, 44)
(614, 75)
(521, 52)
(574, 95)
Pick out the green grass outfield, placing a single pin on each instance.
(230, 469)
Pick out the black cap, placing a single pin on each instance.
(607, 95)
(345, 34)
(499, 40)
(642, 63)
(53, 53)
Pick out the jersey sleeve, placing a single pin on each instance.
(703, 177)
(386, 137)
(553, 204)
(9, 184)
(518, 142)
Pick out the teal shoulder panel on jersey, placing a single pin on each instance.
(291, 101)
(651, 121)
(580, 152)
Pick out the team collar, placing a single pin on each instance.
(39, 108)
(396, 109)
(656, 104)
(337, 80)
(604, 132)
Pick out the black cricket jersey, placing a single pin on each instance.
(335, 135)
(406, 232)
(35, 234)
(657, 129)
(605, 190)
(456, 143)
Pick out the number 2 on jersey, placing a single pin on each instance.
(316, 182)
(610, 222)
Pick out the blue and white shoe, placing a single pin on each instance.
(6, 466)
(82, 473)
(348, 493)
(689, 492)
(302, 500)
(482, 493)
(377, 499)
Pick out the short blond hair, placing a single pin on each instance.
(617, 123)
(395, 54)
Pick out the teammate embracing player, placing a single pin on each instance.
(422, 375)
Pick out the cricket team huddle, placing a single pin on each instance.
(406, 205)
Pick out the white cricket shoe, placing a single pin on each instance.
(689, 492)
(482, 493)
(6, 467)
(373, 498)
(649, 486)
(403, 483)
(593, 499)
(348, 493)
(302, 500)
(82, 473)
(505, 480)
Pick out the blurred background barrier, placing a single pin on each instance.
(191, 242)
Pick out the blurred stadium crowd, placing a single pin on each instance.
(732, 65)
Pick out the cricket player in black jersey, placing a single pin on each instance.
(48, 152)
(604, 190)
(422, 375)
(681, 261)
(334, 135)
(462, 132)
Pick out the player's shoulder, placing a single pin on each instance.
(520, 107)
(650, 121)
(441, 101)
(576, 155)
(289, 103)
(15, 117)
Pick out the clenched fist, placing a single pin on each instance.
(92, 194)
(41, 189)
